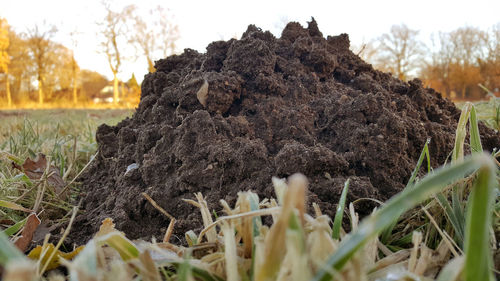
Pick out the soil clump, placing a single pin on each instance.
(229, 119)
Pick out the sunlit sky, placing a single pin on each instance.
(201, 22)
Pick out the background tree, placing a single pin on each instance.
(467, 47)
(154, 37)
(4, 57)
(454, 67)
(20, 67)
(92, 82)
(134, 90)
(490, 65)
(366, 51)
(113, 30)
(59, 78)
(75, 69)
(399, 51)
(40, 46)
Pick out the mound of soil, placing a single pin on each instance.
(249, 109)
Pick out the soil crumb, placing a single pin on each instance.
(246, 110)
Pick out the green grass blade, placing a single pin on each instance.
(443, 202)
(458, 149)
(191, 238)
(201, 274)
(121, 244)
(428, 157)
(396, 206)
(423, 154)
(337, 223)
(15, 228)
(184, 271)
(407, 239)
(254, 206)
(458, 210)
(386, 234)
(13, 206)
(478, 259)
(8, 252)
(24, 178)
(475, 139)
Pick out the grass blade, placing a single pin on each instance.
(275, 248)
(386, 234)
(458, 210)
(184, 271)
(150, 271)
(230, 255)
(451, 272)
(478, 259)
(15, 228)
(256, 224)
(475, 140)
(340, 212)
(443, 202)
(458, 149)
(396, 206)
(7, 251)
(13, 206)
(121, 244)
(423, 154)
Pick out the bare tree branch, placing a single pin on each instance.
(113, 29)
(155, 37)
(399, 51)
(40, 46)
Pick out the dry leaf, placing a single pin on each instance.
(150, 272)
(34, 170)
(202, 93)
(27, 233)
(107, 226)
(55, 261)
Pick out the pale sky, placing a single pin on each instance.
(201, 22)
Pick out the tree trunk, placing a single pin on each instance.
(122, 90)
(75, 98)
(40, 91)
(115, 89)
(73, 68)
(7, 88)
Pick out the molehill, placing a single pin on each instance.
(229, 119)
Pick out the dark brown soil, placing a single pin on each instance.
(300, 103)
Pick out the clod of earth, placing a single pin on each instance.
(249, 109)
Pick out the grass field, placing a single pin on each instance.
(67, 137)
(444, 226)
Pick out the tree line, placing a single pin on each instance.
(34, 67)
(461, 64)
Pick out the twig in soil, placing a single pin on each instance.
(169, 232)
(158, 207)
